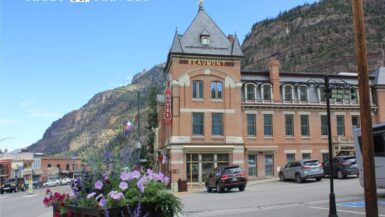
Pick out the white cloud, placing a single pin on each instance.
(38, 113)
(5, 121)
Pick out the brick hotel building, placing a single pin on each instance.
(215, 114)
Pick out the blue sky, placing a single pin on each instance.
(55, 55)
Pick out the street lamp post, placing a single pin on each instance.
(328, 88)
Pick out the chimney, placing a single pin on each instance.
(231, 38)
(274, 79)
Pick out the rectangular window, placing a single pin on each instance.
(217, 124)
(251, 129)
(222, 160)
(325, 157)
(192, 164)
(216, 90)
(305, 125)
(290, 157)
(306, 156)
(198, 123)
(269, 165)
(289, 124)
(268, 124)
(252, 165)
(197, 89)
(340, 125)
(355, 121)
(324, 125)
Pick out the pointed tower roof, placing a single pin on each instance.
(202, 25)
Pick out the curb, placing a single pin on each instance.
(197, 188)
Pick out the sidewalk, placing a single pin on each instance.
(199, 187)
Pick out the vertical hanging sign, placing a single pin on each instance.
(167, 118)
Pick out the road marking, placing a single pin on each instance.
(357, 204)
(3, 197)
(341, 210)
(32, 195)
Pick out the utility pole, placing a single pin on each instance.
(371, 206)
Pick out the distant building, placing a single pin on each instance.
(61, 166)
(214, 114)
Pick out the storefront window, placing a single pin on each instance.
(252, 165)
(192, 166)
(269, 165)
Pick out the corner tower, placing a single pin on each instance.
(204, 76)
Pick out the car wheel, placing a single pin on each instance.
(340, 175)
(219, 189)
(318, 179)
(282, 177)
(208, 187)
(298, 178)
(242, 188)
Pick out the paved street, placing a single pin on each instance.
(267, 199)
(275, 198)
(22, 204)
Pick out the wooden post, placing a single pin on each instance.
(371, 205)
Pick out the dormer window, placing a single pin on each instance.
(205, 38)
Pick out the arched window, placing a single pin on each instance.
(250, 91)
(302, 93)
(287, 91)
(266, 92)
(216, 90)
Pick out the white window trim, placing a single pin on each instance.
(255, 92)
(271, 92)
(299, 93)
(284, 93)
(319, 95)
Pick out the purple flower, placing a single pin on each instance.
(123, 185)
(140, 186)
(135, 174)
(98, 184)
(125, 176)
(166, 180)
(115, 195)
(101, 200)
(91, 195)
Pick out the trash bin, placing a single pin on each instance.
(182, 185)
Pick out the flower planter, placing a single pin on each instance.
(76, 211)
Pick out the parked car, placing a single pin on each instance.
(51, 183)
(13, 185)
(226, 177)
(342, 166)
(65, 181)
(302, 170)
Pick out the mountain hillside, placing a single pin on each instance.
(103, 117)
(316, 38)
(312, 38)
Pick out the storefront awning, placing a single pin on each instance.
(265, 148)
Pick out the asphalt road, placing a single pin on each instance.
(29, 205)
(289, 199)
(269, 199)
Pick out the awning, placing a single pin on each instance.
(264, 148)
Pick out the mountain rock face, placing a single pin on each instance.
(103, 117)
(313, 38)
(316, 38)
